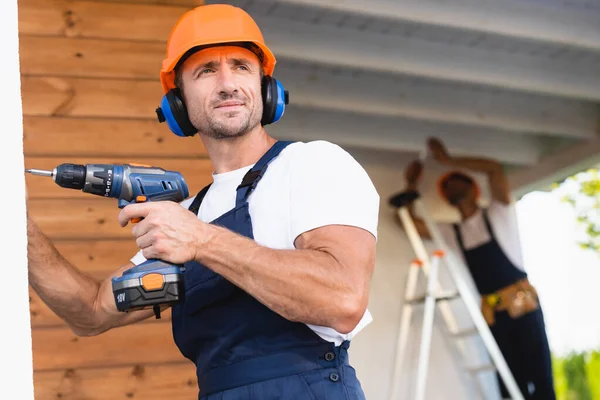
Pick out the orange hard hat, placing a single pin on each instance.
(455, 174)
(212, 24)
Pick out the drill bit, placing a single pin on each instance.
(41, 172)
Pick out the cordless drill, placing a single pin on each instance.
(154, 282)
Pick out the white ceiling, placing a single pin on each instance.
(515, 80)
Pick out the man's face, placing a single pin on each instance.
(458, 189)
(222, 91)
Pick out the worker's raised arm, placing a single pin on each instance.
(412, 176)
(86, 304)
(498, 182)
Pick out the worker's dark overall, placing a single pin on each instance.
(523, 340)
(242, 349)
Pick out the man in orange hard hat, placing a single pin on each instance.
(279, 256)
(487, 239)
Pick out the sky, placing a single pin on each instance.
(566, 277)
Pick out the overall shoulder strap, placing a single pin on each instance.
(254, 175)
(488, 225)
(459, 237)
(195, 206)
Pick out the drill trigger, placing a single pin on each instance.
(138, 199)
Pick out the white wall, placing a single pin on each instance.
(16, 372)
(372, 352)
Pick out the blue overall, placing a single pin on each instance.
(242, 349)
(523, 340)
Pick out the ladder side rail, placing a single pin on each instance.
(405, 320)
(427, 330)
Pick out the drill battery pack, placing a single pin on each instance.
(151, 284)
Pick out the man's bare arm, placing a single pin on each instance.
(412, 175)
(84, 303)
(325, 281)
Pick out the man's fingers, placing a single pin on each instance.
(140, 229)
(144, 241)
(139, 210)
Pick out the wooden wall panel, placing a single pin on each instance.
(51, 96)
(196, 172)
(60, 348)
(146, 382)
(97, 257)
(102, 137)
(101, 20)
(78, 219)
(78, 57)
(90, 89)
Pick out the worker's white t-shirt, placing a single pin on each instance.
(309, 185)
(503, 221)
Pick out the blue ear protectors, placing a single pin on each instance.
(173, 111)
(275, 98)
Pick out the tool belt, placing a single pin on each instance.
(517, 299)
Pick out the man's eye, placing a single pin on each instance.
(243, 67)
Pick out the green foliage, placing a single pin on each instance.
(560, 382)
(577, 376)
(593, 373)
(582, 192)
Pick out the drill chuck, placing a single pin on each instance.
(70, 176)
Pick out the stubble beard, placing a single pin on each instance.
(220, 129)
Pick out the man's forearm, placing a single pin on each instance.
(308, 286)
(67, 291)
(417, 221)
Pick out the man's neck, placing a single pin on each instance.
(467, 209)
(231, 154)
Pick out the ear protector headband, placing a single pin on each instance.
(173, 111)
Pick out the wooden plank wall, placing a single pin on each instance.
(90, 86)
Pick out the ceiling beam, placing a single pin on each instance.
(470, 106)
(396, 134)
(352, 48)
(556, 167)
(553, 22)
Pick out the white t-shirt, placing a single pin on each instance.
(309, 185)
(503, 220)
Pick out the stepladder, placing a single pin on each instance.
(435, 301)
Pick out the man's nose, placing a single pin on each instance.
(227, 82)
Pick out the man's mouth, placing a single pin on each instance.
(230, 105)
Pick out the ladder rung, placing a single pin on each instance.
(447, 296)
(481, 368)
(465, 333)
(439, 297)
